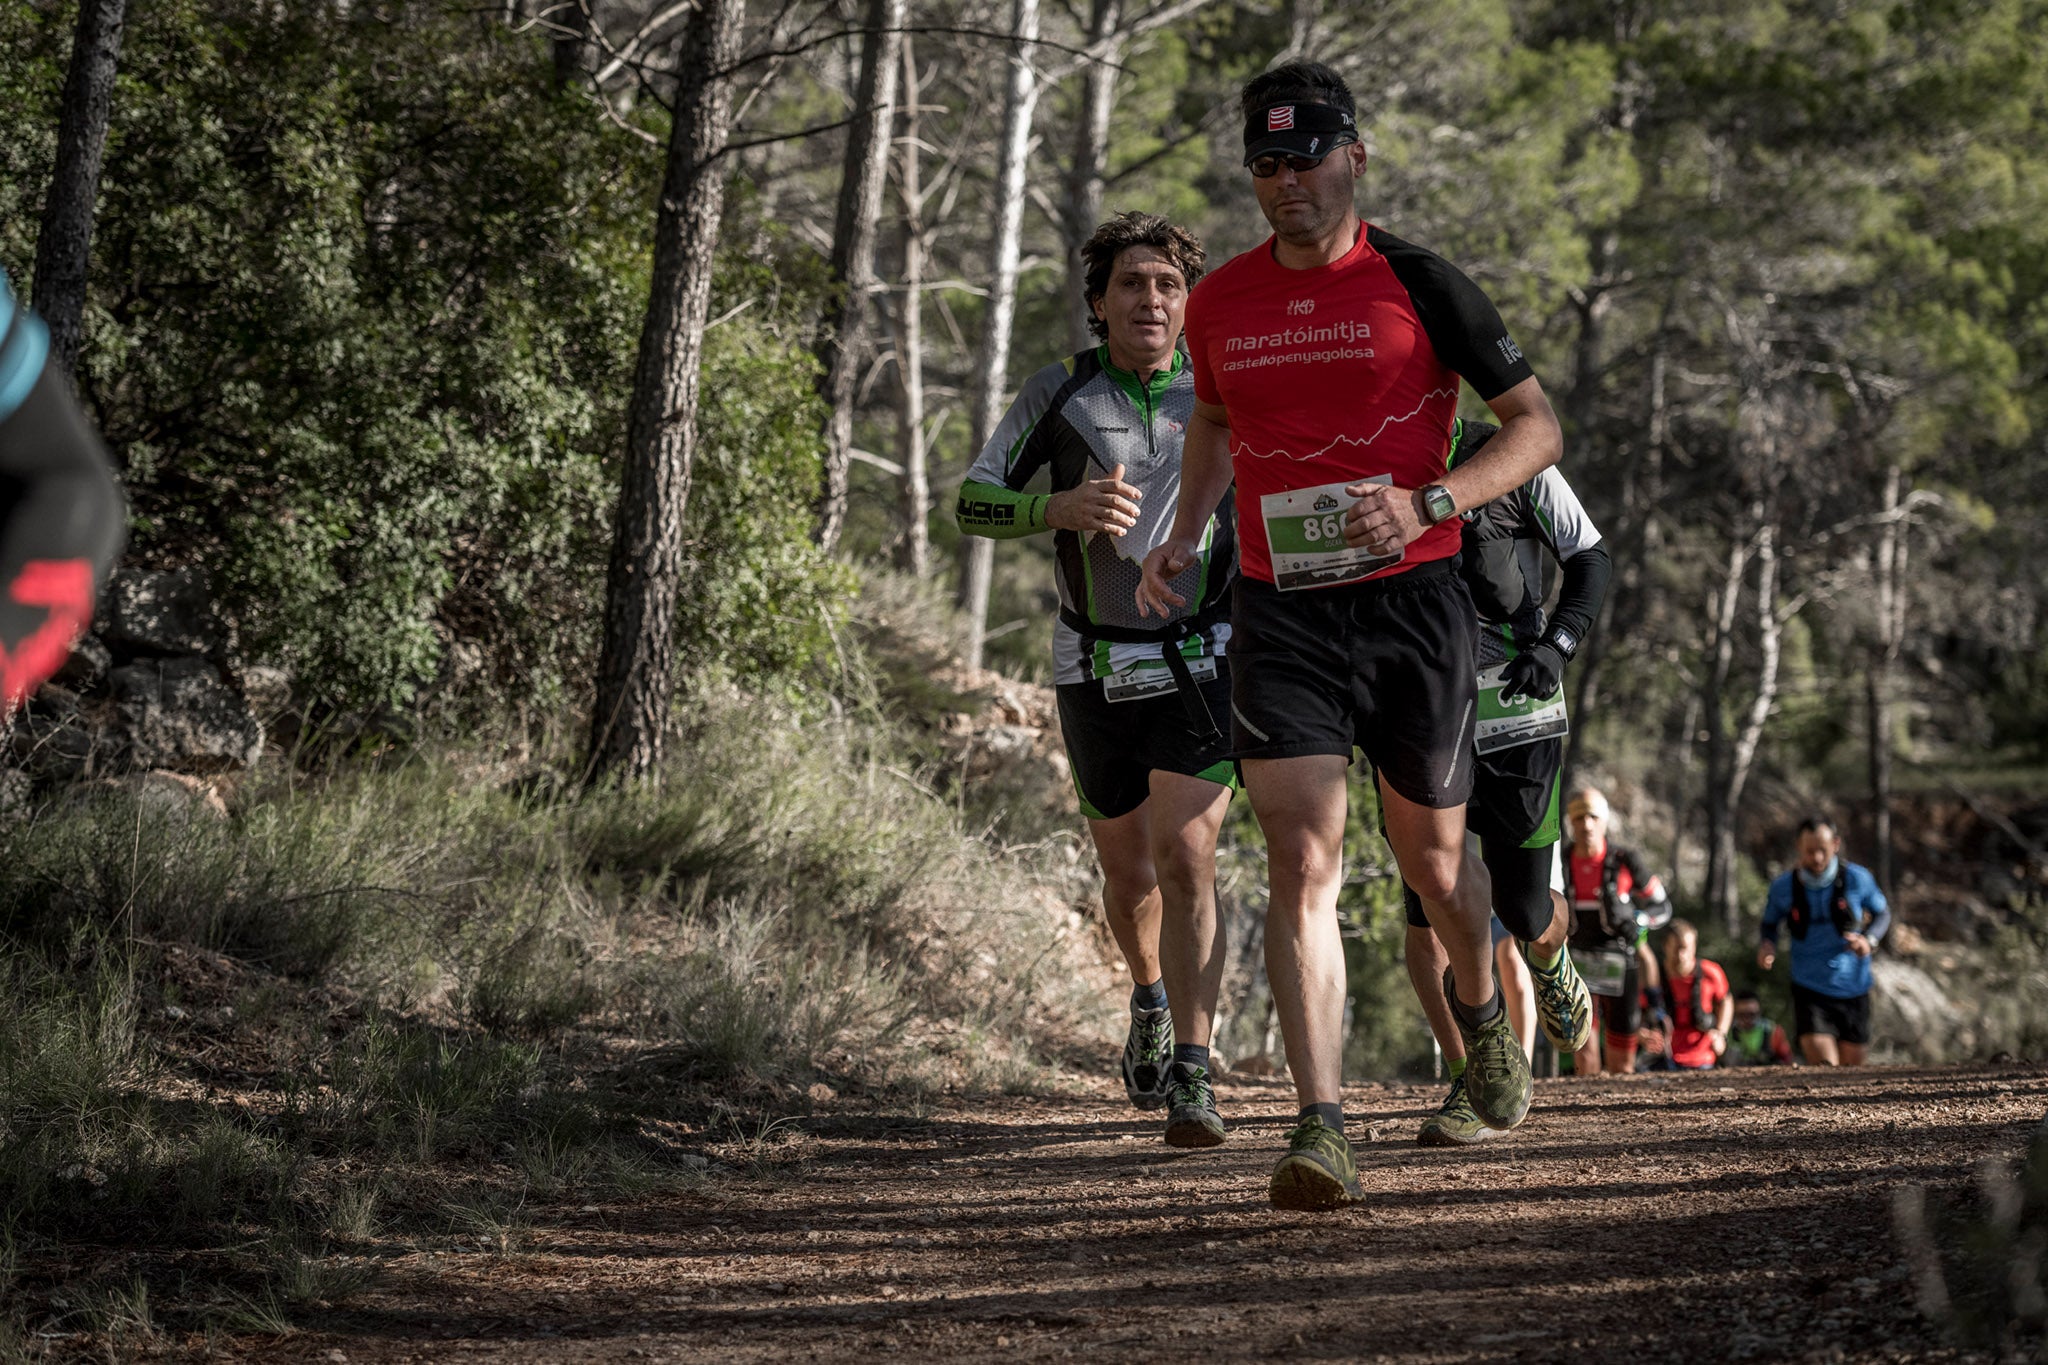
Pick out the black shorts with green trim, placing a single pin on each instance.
(1116, 746)
(1386, 666)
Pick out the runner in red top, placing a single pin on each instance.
(1696, 1001)
(1612, 893)
(1326, 364)
(1373, 346)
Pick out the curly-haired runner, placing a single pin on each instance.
(1144, 705)
(60, 510)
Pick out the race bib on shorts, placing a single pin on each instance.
(1507, 724)
(1153, 679)
(1604, 970)
(1305, 536)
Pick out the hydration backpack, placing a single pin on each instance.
(1846, 920)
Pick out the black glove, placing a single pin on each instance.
(1534, 673)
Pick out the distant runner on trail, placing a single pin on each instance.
(1327, 366)
(1142, 702)
(61, 515)
(1696, 1005)
(1615, 899)
(1520, 763)
(1836, 915)
(1754, 1040)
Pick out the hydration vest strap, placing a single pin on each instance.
(1169, 639)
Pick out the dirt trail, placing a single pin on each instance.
(1729, 1216)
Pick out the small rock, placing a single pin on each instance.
(181, 713)
(156, 612)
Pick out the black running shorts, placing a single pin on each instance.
(1386, 666)
(1514, 795)
(1621, 1016)
(1115, 746)
(1846, 1020)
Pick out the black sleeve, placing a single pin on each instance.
(61, 499)
(1461, 321)
(61, 524)
(1638, 872)
(1586, 575)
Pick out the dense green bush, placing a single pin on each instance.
(367, 293)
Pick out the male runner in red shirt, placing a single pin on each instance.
(1327, 363)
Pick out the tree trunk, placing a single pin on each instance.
(861, 182)
(1019, 104)
(1301, 29)
(572, 48)
(64, 246)
(1633, 545)
(1891, 632)
(1770, 635)
(1722, 607)
(636, 673)
(1085, 179)
(914, 550)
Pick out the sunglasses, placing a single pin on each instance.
(1268, 166)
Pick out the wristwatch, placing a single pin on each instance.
(1438, 504)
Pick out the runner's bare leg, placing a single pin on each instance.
(1300, 804)
(1426, 962)
(1429, 846)
(1187, 813)
(1518, 992)
(1820, 1049)
(1130, 889)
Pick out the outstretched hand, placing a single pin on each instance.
(1109, 505)
(1167, 562)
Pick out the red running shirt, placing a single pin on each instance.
(1344, 372)
(1689, 1043)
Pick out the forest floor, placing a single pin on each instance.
(1727, 1216)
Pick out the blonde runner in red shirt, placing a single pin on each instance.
(1326, 370)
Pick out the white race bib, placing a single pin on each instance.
(1153, 679)
(1305, 537)
(1506, 724)
(1604, 970)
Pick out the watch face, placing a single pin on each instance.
(1567, 643)
(1439, 501)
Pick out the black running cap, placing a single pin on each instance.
(1297, 128)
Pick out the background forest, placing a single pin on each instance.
(376, 291)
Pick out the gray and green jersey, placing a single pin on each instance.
(1078, 420)
(1505, 541)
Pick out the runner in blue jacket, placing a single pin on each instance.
(1836, 915)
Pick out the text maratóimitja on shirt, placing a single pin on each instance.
(1337, 374)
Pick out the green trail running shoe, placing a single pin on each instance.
(1455, 1125)
(1496, 1071)
(1317, 1173)
(1193, 1120)
(1563, 1005)
(1148, 1058)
